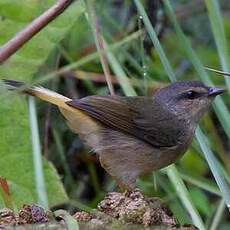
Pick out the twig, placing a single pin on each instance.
(33, 28)
(100, 78)
(218, 71)
(100, 45)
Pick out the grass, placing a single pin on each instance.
(37, 156)
(129, 61)
(218, 30)
(220, 107)
(171, 170)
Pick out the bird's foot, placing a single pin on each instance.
(136, 192)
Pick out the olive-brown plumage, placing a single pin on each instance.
(135, 135)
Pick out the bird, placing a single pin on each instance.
(133, 135)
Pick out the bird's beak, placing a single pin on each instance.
(214, 91)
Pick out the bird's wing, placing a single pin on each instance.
(137, 116)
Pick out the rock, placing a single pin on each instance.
(136, 208)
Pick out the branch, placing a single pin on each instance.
(100, 44)
(33, 28)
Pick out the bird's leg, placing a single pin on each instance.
(122, 185)
(127, 189)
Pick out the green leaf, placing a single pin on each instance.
(33, 54)
(16, 162)
(219, 35)
(200, 200)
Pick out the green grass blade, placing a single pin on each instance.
(212, 162)
(179, 186)
(87, 59)
(219, 35)
(120, 73)
(37, 156)
(69, 181)
(155, 41)
(201, 184)
(171, 171)
(219, 106)
(95, 27)
(218, 215)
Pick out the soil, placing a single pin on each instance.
(129, 210)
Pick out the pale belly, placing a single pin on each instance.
(125, 157)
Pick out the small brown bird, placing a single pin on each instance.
(134, 135)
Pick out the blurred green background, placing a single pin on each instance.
(64, 58)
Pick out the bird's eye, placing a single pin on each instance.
(191, 94)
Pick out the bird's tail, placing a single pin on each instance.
(77, 120)
(39, 92)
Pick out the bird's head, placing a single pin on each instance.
(187, 99)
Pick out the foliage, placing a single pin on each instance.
(15, 145)
(187, 48)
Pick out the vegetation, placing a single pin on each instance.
(147, 45)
